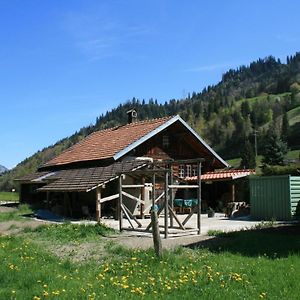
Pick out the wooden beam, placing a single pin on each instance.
(166, 205)
(126, 215)
(147, 171)
(189, 215)
(143, 190)
(132, 197)
(181, 186)
(233, 192)
(112, 197)
(180, 161)
(176, 218)
(120, 214)
(199, 198)
(153, 191)
(132, 186)
(156, 234)
(171, 195)
(98, 204)
(132, 216)
(158, 198)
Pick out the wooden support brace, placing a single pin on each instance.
(132, 216)
(189, 215)
(158, 198)
(132, 197)
(176, 218)
(112, 197)
(126, 215)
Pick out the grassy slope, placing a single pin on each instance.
(235, 162)
(245, 265)
(294, 116)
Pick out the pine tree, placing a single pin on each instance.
(248, 156)
(275, 149)
(285, 128)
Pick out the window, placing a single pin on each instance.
(181, 172)
(194, 170)
(188, 171)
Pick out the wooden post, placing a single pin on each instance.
(156, 233)
(142, 198)
(119, 206)
(171, 197)
(155, 223)
(166, 204)
(98, 204)
(153, 191)
(199, 198)
(233, 192)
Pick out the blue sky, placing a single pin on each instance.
(63, 63)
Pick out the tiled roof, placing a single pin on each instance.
(223, 175)
(32, 177)
(104, 144)
(86, 179)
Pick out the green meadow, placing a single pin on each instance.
(257, 264)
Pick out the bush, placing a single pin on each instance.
(293, 170)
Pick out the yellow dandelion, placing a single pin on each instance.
(45, 294)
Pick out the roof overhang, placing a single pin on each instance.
(227, 175)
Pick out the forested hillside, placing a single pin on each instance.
(246, 101)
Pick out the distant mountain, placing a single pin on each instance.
(247, 100)
(3, 169)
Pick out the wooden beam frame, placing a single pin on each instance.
(168, 194)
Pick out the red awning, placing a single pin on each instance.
(223, 175)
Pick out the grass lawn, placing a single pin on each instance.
(9, 196)
(261, 264)
(16, 214)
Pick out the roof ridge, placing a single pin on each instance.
(132, 124)
(102, 132)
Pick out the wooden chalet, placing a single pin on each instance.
(85, 179)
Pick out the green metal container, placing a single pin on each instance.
(274, 197)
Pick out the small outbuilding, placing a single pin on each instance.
(275, 197)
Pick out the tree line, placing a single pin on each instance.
(247, 102)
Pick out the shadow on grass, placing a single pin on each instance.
(274, 242)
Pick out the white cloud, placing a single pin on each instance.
(100, 36)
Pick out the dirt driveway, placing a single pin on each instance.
(139, 239)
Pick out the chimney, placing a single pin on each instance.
(131, 116)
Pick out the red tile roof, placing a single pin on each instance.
(223, 175)
(106, 143)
